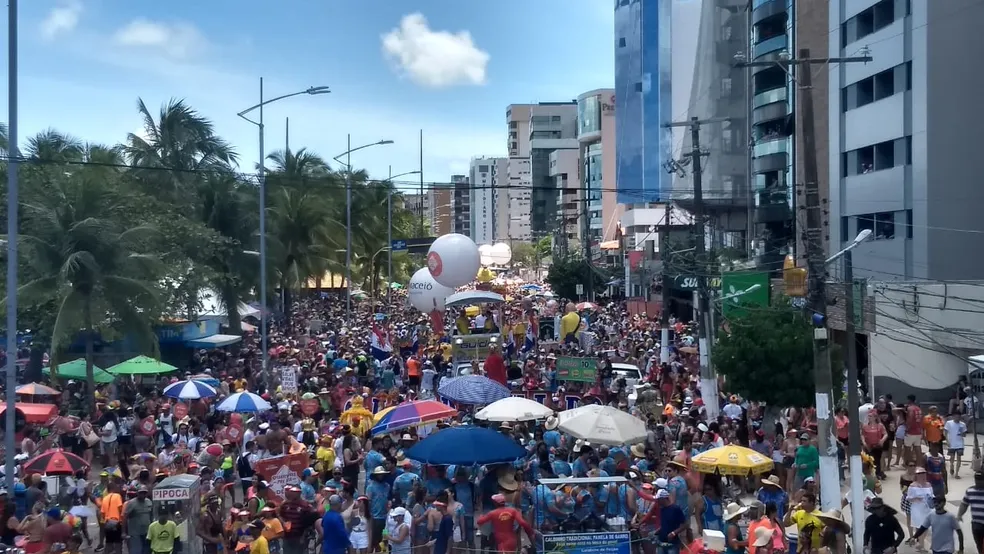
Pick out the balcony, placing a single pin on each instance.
(778, 145)
(772, 213)
(770, 112)
(764, 9)
(770, 97)
(774, 44)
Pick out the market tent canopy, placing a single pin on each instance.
(214, 341)
(75, 369)
(39, 414)
(141, 365)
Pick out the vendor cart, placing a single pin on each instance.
(180, 497)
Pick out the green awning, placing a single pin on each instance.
(141, 365)
(75, 369)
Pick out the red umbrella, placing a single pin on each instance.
(37, 389)
(55, 462)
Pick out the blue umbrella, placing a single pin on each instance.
(189, 390)
(466, 446)
(531, 286)
(473, 389)
(243, 402)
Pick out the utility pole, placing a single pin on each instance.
(708, 380)
(814, 208)
(664, 313)
(853, 401)
(585, 214)
(12, 205)
(422, 233)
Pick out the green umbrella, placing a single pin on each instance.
(75, 369)
(396, 286)
(141, 365)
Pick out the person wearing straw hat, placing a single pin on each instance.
(735, 542)
(551, 436)
(772, 491)
(835, 532)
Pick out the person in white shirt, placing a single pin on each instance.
(733, 410)
(427, 381)
(954, 429)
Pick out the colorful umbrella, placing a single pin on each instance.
(37, 389)
(189, 390)
(381, 414)
(731, 460)
(409, 414)
(143, 457)
(244, 402)
(473, 389)
(141, 365)
(586, 306)
(75, 369)
(466, 445)
(55, 462)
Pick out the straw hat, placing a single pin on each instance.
(508, 482)
(551, 423)
(380, 470)
(772, 481)
(638, 450)
(733, 510)
(677, 465)
(762, 536)
(834, 517)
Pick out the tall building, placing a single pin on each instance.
(564, 172)
(904, 131)
(642, 97)
(461, 205)
(520, 186)
(482, 173)
(418, 203)
(708, 38)
(553, 127)
(500, 200)
(441, 212)
(596, 141)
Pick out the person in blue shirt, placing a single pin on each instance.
(677, 486)
(437, 480)
(465, 493)
(403, 485)
(334, 535)
(672, 523)
(771, 492)
(552, 436)
(580, 465)
(309, 486)
(374, 458)
(378, 492)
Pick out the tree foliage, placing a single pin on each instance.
(766, 354)
(566, 273)
(117, 238)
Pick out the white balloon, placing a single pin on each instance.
(501, 253)
(425, 293)
(485, 254)
(453, 260)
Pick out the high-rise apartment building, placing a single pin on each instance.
(904, 130)
(482, 174)
(500, 200)
(441, 200)
(461, 205)
(595, 212)
(520, 187)
(553, 127)
(642, 97)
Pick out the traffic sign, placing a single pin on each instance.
(398, 245)
(579, 288)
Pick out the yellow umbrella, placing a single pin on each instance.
(379, 415)
(731, 460)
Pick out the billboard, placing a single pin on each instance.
(738, 288)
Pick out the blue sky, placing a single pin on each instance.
(449, 67)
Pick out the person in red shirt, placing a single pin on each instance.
(495, 366)
(504, 520)
(912, 445)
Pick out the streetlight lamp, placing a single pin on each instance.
(853, 398)
(262, 178)
(348, 217)
(389, 225)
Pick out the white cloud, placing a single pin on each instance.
(177, 41)
(435, 58)
(61, 19)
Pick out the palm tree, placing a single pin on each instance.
(179, 140)
(296, 169)
(81, 257)
(51, 145)
(301, 232)
(3, 138)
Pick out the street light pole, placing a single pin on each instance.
(348, 218)
(12, 201)
(264, 333)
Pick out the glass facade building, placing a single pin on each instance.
(642, 97)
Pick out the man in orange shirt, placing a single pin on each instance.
(933, 429)
(413, 372)
(111, 510)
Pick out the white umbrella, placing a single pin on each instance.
(514, 408)
(599, 424)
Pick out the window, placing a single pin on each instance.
(877, 87)
(885, 225)
(512, 124)
(621, 42)
(908, 224)
(871, 20)
(876, 157)
(638, 86)
(866, 221)
(726, 87)
(555, 119)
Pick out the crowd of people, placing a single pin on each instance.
(362, 493)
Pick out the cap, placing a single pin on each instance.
(662, 493)
(804, 436)
(661, 483)
(143, 488)
(809, 480)
(406, 437)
